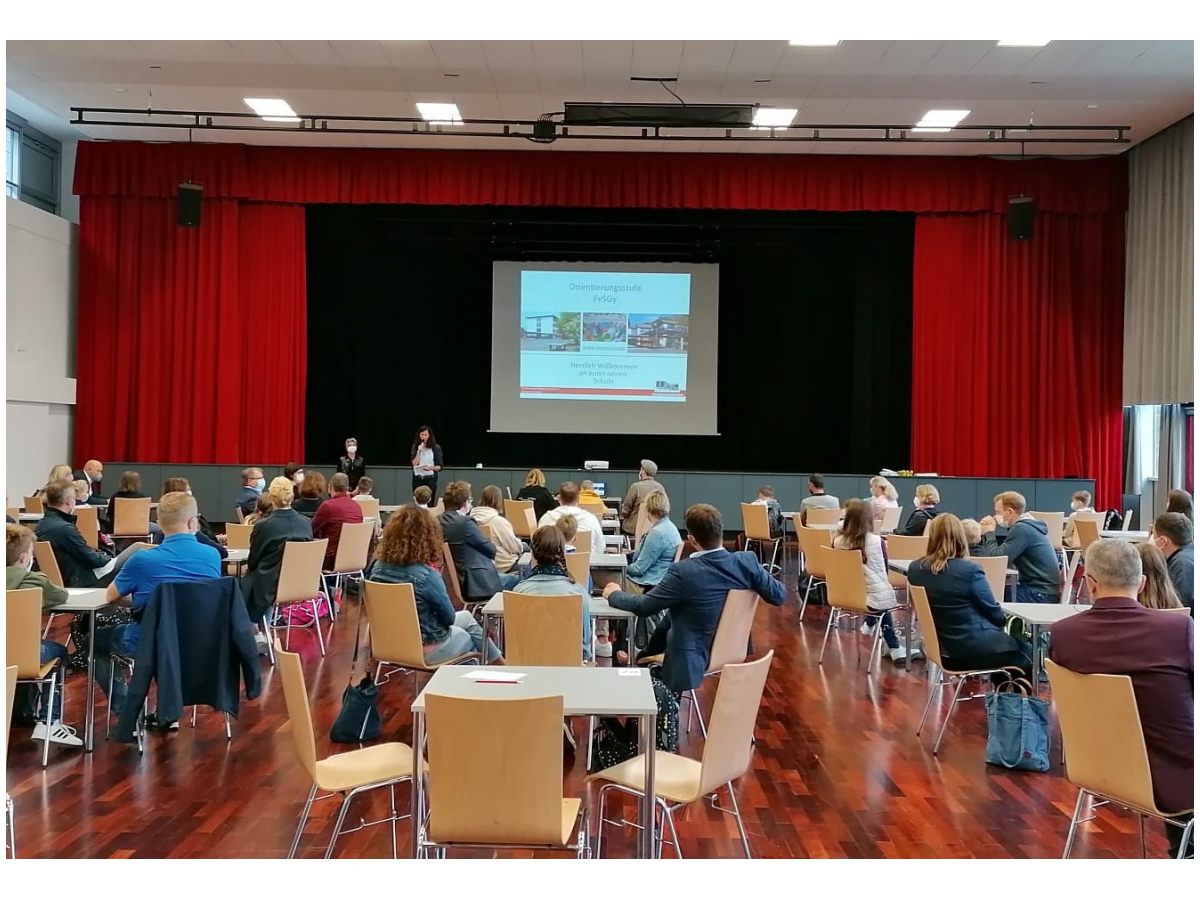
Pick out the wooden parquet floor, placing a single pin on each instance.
(837, 773)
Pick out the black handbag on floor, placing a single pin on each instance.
(359, 717)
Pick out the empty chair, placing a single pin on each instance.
(996, 570)
(1105, 749)
(543, 630)
(237, 537)
(823, 517)
(34, 505)
(757, 527)
(890, 520)
(300, 584)
(395, 631)
(131, 518)
(520, 514)
(1054, 527)
(579, 564)
(370, 507)
(23, 618)
(900, 546)
(729, 643)
(811, 561)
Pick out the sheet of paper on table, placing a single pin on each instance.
(485, 675)
(630, 671)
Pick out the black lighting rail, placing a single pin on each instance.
(539, 130)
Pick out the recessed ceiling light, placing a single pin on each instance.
(440, 113)
(941, 120)
(1093, 106)
(272, 109)
(770, 118)
(1021, 43)
(814, 43)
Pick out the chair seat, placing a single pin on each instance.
(655, 660)
(44, 669)
(424, 667)
(676, 778)
(570, 814)
(354, 768)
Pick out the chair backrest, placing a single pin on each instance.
(23, 638)
(543, 630)
(1054, 526)
(755, 522)
(903, 546)
(1125, 521)
(582, 540)
(817, 516)
(520, 513)
(10, 679)
(731, 728)
(596, 509)
(495, 769)
(130, 515)
(354, 545)
(300, 571)
(370, 507)
(1102, 735)
(1088, 531)
(87, 520)
(1177, 609)
(642, 524)
(237, 536)
(996, 570)
(920, 602)
(295, 695)
(487, 532)
(450, 576)
(733, 630)
(34, 505)
(890, 520)
(579, 564)
(240, 513)
(395, 628)
(508, 492)
(47, 562)
(845, 579)
(811, 542)
(678, 552)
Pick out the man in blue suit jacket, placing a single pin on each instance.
(694, 591)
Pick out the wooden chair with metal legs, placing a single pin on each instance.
(520, 514)
(846, 585)
(370, 507)
(395, 632)
(300, 584)
(679, 781)
(453, 584)
(10, 824)
(350, 561)
(350, 774)
(487, 532)
(904, 546)
(811, 561)
(47, 563)
(819, 516)
(582, 542)
(757, 527)
(87, 520)
(131, 519)
(120, 660)
(579, 566)
(890, 521)
(34, 505)
(1055, 522)
(1105, 750)
(944, 677)
(996, 570)
(1087, 529)
(495, 777)
(729, 643)
(23, 648)
(237, 536)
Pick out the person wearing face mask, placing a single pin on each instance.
(294, 472)
(1081, 502)
(18, 576)
(1027, 547)
(81, 566)
(1173, 536)
(205, 533)
(474, 555)
(179, 558)
(352, 465)
(93, 473)
(253, 484)
(925, 510)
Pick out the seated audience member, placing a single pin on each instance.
(365, 485)
(549, 576)
(311, 494)
(535, 490)
(61, 472)
(638, 491)
(411, 543)
(974, 537)
(93, 473)
(179, 558)
(263, 508)
(656, 552)
(883, 497)
(80, 565)
(1119, 636)
(335, 512)
(925, 509)
(588, 495)
(569, 527)
(19, 577)
(857, 534)
(267, 541)
(1081, 502)
(568, 498)
(1173, 536)
(1180, 501)
(423, 496)
(129, 487)
(1157, 592)
(490, 512)
(1027, 547)
(352, 465)
(969, 621)
(817, 498)
(83, 492)
(473, 553)
(766, 497)
(253, 485)
(205, 534)
(294, 472)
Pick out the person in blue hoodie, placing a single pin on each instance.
(1027, 547)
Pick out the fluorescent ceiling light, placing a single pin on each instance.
(272, 109)
(769, 118)
(941, 120)
(440, 113)
(1021, 43)
(814, 43)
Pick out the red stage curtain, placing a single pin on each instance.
(1017, 348)
(191, 341)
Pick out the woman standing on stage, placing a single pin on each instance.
(352, 465)
(426, 460)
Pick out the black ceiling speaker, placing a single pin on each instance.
(1021, 211)
(190, 196)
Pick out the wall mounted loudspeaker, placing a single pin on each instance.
(189, 204)
(1021, 211)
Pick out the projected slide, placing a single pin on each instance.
(604, 335)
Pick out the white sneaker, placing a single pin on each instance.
(865, 629)
(897, 654)
(59, 734)
(604, 649)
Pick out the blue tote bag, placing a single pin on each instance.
(1018, 728)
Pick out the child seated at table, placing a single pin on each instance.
(422, 496)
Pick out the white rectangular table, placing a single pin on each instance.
(1137, 537)
(237, 558)
(586, 691)
(1039, 616)
(29, 517)
(598, 608)
(89, 601)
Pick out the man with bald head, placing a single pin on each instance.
(93, 473)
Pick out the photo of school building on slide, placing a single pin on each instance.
(555, 332)
(658, 334)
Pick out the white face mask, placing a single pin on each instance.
(916, 501)
(298, 477)
(352, 448)
(1076, 506)
(261, 483)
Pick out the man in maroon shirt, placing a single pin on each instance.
(335, 512)
(1119, 636)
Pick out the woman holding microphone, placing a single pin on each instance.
(426, 460)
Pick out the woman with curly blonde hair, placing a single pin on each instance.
(411, 543)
